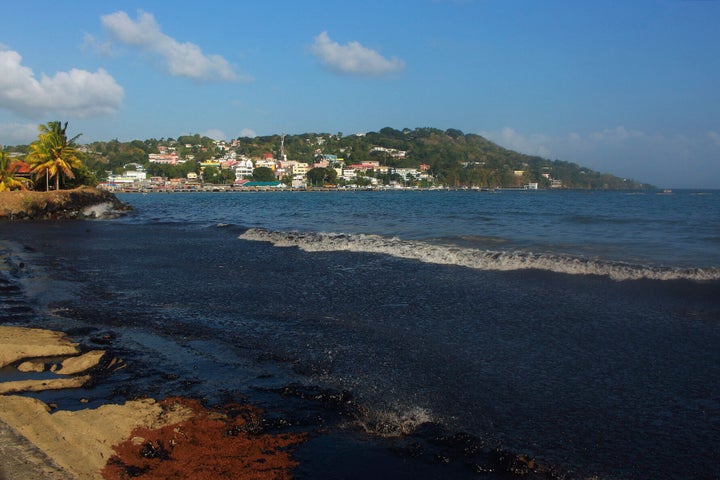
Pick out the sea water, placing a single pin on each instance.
(545, 230)
(579, 327)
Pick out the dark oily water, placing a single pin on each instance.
(676, 230)
(594, 376)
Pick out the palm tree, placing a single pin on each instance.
(8, 170)
(53, 155)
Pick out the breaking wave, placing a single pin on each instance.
(474, 258)
(391, 422)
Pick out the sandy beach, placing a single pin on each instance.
(143, 438)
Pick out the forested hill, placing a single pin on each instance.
(451, 157)
(455, 158)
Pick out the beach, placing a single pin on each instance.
(387, 347)
(138, 438)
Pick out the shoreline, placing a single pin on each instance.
(143, 438)
(65, 436)
(78, 203)
(173, 342)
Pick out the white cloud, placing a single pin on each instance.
(534, 144)
(180, 59)
(77, 92)
(664, 160)
(97, 46)
(247, 133)
(18, 133)
(714, 137)
(353, 58)
(215, 134)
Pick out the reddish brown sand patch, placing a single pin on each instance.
(213, 443)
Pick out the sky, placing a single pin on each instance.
(630, 88)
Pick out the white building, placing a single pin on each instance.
(127, 177)
(243, 168)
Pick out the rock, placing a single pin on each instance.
(84, 202)
(18, 343)
(42, 385)
(31, 366)
(73, 365)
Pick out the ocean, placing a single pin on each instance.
(412, 328)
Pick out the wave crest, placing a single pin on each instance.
(473, 258)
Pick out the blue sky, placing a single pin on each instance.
(629, 88)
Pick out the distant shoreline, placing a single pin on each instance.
(230, 189)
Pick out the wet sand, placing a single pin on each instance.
(143, 438)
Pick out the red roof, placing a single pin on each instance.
(22, 167)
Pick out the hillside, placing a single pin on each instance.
(451, 157)
(454, 158)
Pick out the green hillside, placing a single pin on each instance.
(451, 158)
(455, 158)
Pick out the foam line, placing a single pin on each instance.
(473, 258)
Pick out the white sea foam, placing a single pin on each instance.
(474, 258)
(100, 210)
(392, 422)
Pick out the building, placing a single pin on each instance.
(300, 168)
(164, 158)
(264, 185)
(348, 174)
(244, 168)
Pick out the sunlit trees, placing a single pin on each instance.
(53, 155)
(9, 180)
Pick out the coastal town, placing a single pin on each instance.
(273, 172)
(417, 159)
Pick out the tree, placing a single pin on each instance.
(8, 171)
(211, 174)
(53, 155)
(322, 176)
(264, 174)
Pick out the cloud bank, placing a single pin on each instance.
(247, 132)
(77, 92)
(215, 134)
(179, 59)
(353, 58)
(667, 160)
(18, 133)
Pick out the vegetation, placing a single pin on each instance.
(263, 174)
(9, 179)
(450, 158)
(453, 158)
(52, 155)
(321, 176)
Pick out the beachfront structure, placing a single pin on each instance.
(407, 172)
(127, 177)
(348, 174)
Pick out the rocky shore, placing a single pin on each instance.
(143, 438)
(79, 203)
